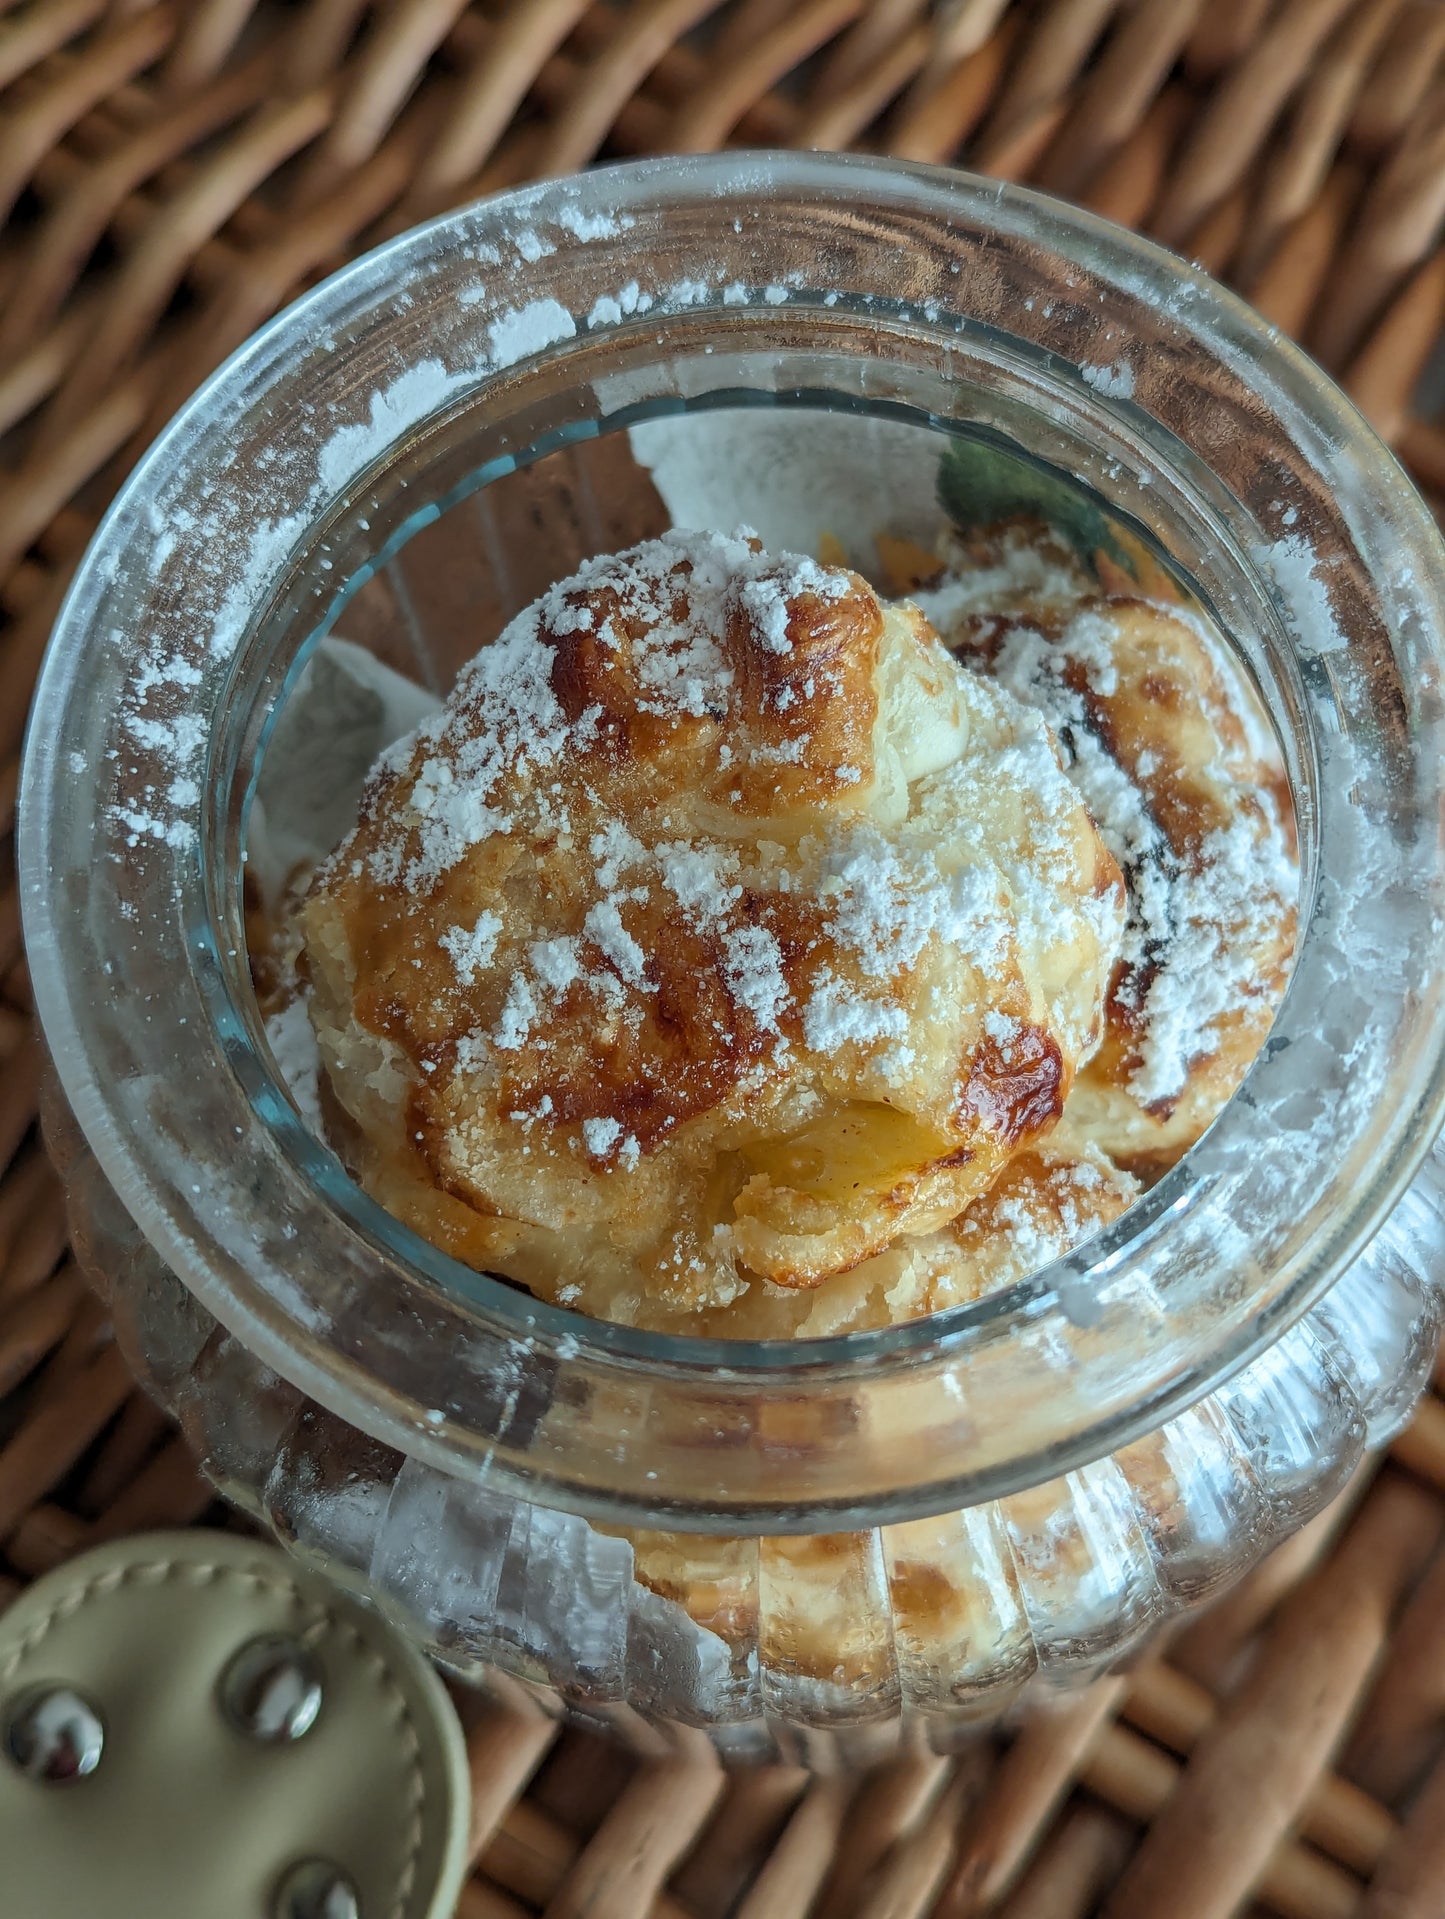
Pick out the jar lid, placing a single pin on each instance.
(189, 1721)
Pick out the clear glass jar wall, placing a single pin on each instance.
(889, 1530)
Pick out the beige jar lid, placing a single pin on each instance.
(190, 1723)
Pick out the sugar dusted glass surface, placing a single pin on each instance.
(891, 1534)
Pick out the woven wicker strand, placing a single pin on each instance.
(170, 175)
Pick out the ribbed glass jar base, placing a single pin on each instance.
(824, 1648)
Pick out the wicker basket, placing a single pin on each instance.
(172, 174)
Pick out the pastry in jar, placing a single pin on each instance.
(720, 933)
(1167, 745)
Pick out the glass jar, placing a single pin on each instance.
(889, 1534)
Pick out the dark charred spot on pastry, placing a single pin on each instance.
(962, 1157)
(1014, 1089)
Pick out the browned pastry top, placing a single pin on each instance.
(719, 928)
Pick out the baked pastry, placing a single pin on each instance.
(721, 932)
(1168, 747)
(1049, 1198)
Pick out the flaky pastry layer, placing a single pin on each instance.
(1172, 754)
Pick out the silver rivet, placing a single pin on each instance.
(316, 1890)
(54, 1735)
(271, 1691)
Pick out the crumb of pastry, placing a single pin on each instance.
(721, 932)
(1167, 746)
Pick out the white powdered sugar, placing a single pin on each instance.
(604, 1139)
(702, 879)
(471, 947)
(557, 962)
(883, 911)
(527, 330)
(599, 1136)
(519, 1011)
(837, 1016)
(1115, 381)
(1224, 909)
(1038, 1234)
(753, 969)
(765, 599)
(1294, 566)
(1027, 574)
(1001, 1028)
(502, 719)
(585, 225)
(767, 609)
(616, 851)
(604, 927)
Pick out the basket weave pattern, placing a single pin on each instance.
(171, 174)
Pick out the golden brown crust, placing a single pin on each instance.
(776, 722)
(720, 925)
(1049, 1198)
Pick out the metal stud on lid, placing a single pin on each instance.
(316, 1889)
(54, 1735)
(271, 1690)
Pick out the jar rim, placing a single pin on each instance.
(117, 887)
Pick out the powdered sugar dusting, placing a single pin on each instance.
(530, 329)
(1021, 1231)
(605, 929)
(754, 972)
(394, 408)
(585, 225)
(1312, 620)
(1193, 919)
(837, 1016)
(765, 599)
(471, 948)
(1115, 381)
(504, 721)
(1028, 574)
